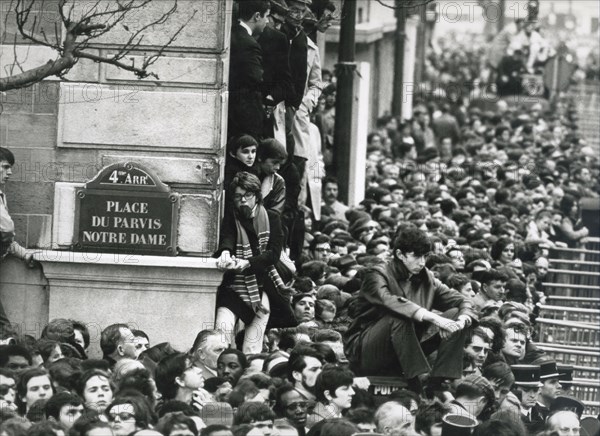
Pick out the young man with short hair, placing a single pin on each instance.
(492, 287)
(231, 365)
(64, 408)
(320, 248)
(330, 198)
(304, 307)
(304, 365)
(428, 420)
(478, 345)
(15, 358)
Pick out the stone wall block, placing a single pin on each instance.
(203, 170)
(199, 217)
(203, 32)
(108, 117)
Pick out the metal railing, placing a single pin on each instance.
(572, 290)
(577, 302)
(571, 314)
(552, 331)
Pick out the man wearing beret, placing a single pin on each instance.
(395, 327)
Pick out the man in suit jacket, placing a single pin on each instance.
(246, 112)
(277, 77)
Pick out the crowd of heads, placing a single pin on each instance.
(478, 197)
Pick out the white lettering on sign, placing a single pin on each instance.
(148, 239)
(121, 238)
(137, 223)
(135, 207)
(382, 390)
(105, 237)
(136, 180)
(129, 178)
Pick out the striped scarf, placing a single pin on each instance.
(245, 285)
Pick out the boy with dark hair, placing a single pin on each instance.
(492, 287)
(304, 365)
(271, 154)
(334, 394)
(241, 156)
(15, 358)
(478, 344)
(64, 408)
(395, 326)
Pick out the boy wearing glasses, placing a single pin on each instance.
(249, 248)
(478, 345)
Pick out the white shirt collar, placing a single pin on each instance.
(245, 26)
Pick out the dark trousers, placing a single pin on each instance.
(4, 322)
(395, 346)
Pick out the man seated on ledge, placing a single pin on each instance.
(394, 328)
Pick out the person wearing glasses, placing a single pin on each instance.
(128, 414)
(250, 246)
(292, 408)
(320, 248)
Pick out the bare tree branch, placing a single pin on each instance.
(79, 34)
(29, 77)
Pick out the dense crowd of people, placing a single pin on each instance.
(434, 280)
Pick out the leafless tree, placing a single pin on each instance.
(79, 27)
